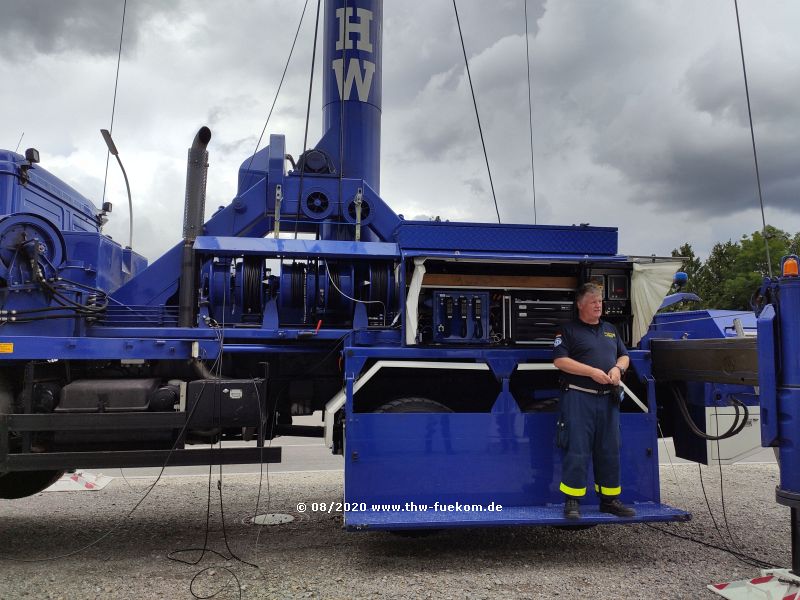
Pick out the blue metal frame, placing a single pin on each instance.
(504, 457)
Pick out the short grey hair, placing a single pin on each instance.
(587, 289)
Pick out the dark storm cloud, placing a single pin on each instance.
(696, 154)
(421, 39)
(638, 107)
(54, 26)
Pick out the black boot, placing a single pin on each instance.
(572, 509)
(615, 507)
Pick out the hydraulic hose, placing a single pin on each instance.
(739, 420)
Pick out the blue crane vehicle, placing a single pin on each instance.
(427, 345)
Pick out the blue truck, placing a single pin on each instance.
(426, 345)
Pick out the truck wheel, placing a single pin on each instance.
(413, 405)
(20, 484)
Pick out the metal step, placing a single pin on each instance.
(511, 515)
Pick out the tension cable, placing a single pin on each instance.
(308, 117)
(280, 84)
(477, 115)
(530, 109)
(114, 102)
(753, 139)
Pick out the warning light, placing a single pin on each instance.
(790, 267)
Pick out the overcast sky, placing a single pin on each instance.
(639, 111)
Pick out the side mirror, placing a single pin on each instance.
(32, 155)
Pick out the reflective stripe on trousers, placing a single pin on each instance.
(592, 427)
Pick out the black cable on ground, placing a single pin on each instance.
(116, 526)
(744, 558)
(121, 520)
(722, 488)
(710, 545)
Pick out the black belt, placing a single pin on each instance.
(578, 388)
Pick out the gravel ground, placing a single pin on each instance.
(313, 557)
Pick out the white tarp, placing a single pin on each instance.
(412, 301)
(650, 284)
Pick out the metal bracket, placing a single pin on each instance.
(278, 200)
(358, 202)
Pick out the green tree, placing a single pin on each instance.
(717, 270)
(734, 270)
(693, 267)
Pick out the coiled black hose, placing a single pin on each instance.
(739, 421)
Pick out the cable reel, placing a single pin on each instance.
(250, 293)
(217, 287)
(381, 291)
(338, 281)
(292, 300)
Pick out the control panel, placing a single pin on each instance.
(616, 298)
(498, 304)
(460, 317)
(535, 315)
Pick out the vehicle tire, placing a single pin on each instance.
(548, 405)
(20, 484)
(6, 396)
(413, 405)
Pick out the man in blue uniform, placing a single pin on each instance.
(592, 360)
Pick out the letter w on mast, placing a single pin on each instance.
(358, 71)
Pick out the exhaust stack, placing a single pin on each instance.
(193, 218)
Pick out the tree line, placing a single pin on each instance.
(734, 270)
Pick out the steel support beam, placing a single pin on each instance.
(140, 458)
(724, 360)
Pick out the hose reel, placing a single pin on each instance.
(23, 236)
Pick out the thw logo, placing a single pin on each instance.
(357, 71)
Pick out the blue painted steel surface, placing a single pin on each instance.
(699, 324)
(789, 384)
(374, 518)
(507, 238)
(44, 194)
(767, 376)
(234, 246)
(679, 297)
(85, 348)
(503, 456)
(351, 87)
(531, 257)
(100, 262)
